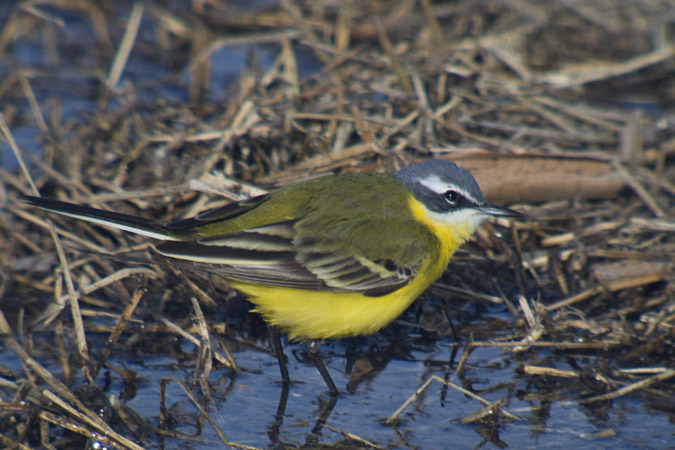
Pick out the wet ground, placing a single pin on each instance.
(84, 139)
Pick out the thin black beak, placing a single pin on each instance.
(498, 211)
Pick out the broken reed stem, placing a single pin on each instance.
(204, 358)
(59, 393)
(122, 55)
(78, 324)
(642, 384)
(207, 416)
(118, 329)
(394, 417)
(285, 126)
(224, 360)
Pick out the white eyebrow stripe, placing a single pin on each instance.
(437, 185)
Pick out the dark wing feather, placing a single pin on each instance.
(220, 214)
(281, 255)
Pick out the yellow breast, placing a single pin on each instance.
(304, 314)
(449, 235)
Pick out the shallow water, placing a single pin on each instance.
(388, 372)
(245, 408)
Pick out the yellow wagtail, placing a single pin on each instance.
(331, 257)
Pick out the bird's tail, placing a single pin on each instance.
(138, 225)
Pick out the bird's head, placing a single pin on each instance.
(449, 194)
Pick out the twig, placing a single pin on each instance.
(640, 191)
(126, 45)
(118, 329)
(588, 293)
(34, 105)
(207, 416)
(388, 48)
(631, 387)
(393, 418)
(353, 437)
(80, 337)
(178, 330)
(549, 371)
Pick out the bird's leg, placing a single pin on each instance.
(275, 337)
(313, 347)
(326, 408)
(455, 334)
(274, 428)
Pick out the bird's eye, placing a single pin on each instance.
(451, 196)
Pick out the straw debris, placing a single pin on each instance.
(561, 109)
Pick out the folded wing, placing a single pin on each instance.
(286, 254)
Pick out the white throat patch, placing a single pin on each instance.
(463, 217)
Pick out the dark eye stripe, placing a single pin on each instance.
(451, 196)
(455, 200)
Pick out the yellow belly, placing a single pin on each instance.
(323, 315)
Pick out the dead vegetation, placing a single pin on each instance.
(562, 109)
